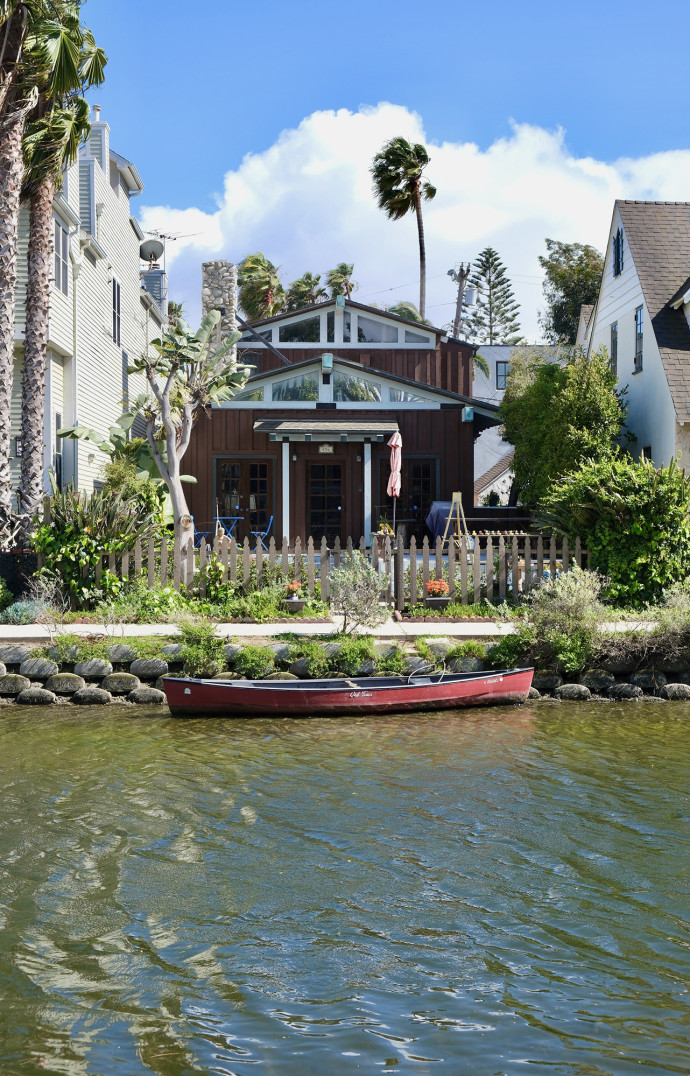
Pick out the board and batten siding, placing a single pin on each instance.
(651, 415)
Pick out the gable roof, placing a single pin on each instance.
(316, 308)
(658, 235)
(489, 477)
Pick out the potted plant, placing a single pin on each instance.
(437, 594)
(293, 599)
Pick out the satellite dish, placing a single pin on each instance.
(151, 250)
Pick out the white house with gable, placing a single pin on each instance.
(105, 307)
(642, 317)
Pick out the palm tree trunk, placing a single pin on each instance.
(36, 347)
(11, 172)
(422, 254)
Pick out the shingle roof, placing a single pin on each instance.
(658, 234)
(490, 476)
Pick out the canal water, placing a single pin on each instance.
(504, 891)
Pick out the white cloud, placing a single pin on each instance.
(306, 202)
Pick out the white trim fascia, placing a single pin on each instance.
(90, 243)
(136, 228)
(63, 210)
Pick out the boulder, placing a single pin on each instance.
(466, 664)
(675, 691)
(38, 668)
(65, 683)
(147, 695)
(14, 655)
(121, 652)
(438, 648)
(281, 652)
(93, 668)
(332, 648)
(91, 696)
(546, 683)
(625, 691)
(35, 696)
(619, 665)
(385, 650)
(227, 675)
(149, 668)
(231, 652)
(533, 694)
(573, 692)
(599, 681)
(64, 653)
(172, 651)
(281, 676)
(120, 683)
(300, 669)
(367, 668)
(13, 683)
(651, 682)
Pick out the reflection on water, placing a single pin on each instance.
(455, 893)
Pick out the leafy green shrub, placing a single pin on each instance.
(469, 649)
(203, 652)
(123, 478)
(513, 651)
(23, 612)
(634, 519)
(83, 529)
(255, 662)
(6, 596)
(313, 654)
(566, 613)
(394, 660)
(352, 652)
(141, 604)
(355, 592)
(673, 615)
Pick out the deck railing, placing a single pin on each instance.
(489, 565)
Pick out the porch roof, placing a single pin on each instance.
(326, 429)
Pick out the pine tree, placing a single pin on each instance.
(494, 319)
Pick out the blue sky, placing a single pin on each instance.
(192, 89)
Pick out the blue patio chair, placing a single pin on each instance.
(263, 535)
(199, 536)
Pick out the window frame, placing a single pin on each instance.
(506, 364)
(618, 258)
(639, 337)
(117, 312)
(60, 256)
(614, 348)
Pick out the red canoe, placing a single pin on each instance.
(359, 695)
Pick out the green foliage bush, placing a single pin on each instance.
(122, 478)
(633, 518)
(23, 612)
(203, 652)
(565, 613)
(314, 656)
(394, 660)
(6, 596)
(513, 651)
(353, 650)
(255, 662)
(83, 529)
(558, 416)
(356, 593)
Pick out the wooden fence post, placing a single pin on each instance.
(325, 570)
(413, 570)
(501, 568)
(297, 563)
(259, 561)
(527, 580)
(233, 560)
(310, 566)
(451, 567)
(489, 568)
(400, 570)
(540, 560)
(387, 566)
(425, 563)
(246, 563)
(151, 564)
(477, 570)
(463, 568)
(177, 564)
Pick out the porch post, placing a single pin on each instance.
(367, 492)
(286, 491)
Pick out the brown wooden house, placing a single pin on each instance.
(304, 446)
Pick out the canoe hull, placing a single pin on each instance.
(360, 695)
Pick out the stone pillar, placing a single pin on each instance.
(219, 292)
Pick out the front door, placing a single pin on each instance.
(244, 493)
(325, 509)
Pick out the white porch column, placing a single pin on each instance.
(285, 533)
(367, 492)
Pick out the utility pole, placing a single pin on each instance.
(460, 276)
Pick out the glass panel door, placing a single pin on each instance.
(325, 501)
(244, 496)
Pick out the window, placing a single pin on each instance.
(307, 331)
(347, 326)
(266, 334)
(618, 253)
(250, 358)
(415, 338)
(646, 453)
(502, 374)
(250, 394)
(302, 388)
(61, 258)
(614, 348)
(403, 396)
(375, 332)
(125, 381)
(57, 455)
(330, 327)
(116, 312)
(352, 389)
(638, 339)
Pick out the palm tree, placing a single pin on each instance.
(405, 309)
(339, 280)
(261, 293)
(305, 291)
(399, 188)
(54, 131)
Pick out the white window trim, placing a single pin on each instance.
(425, 403)
(428, 344)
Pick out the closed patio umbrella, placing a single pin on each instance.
(393, 488)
